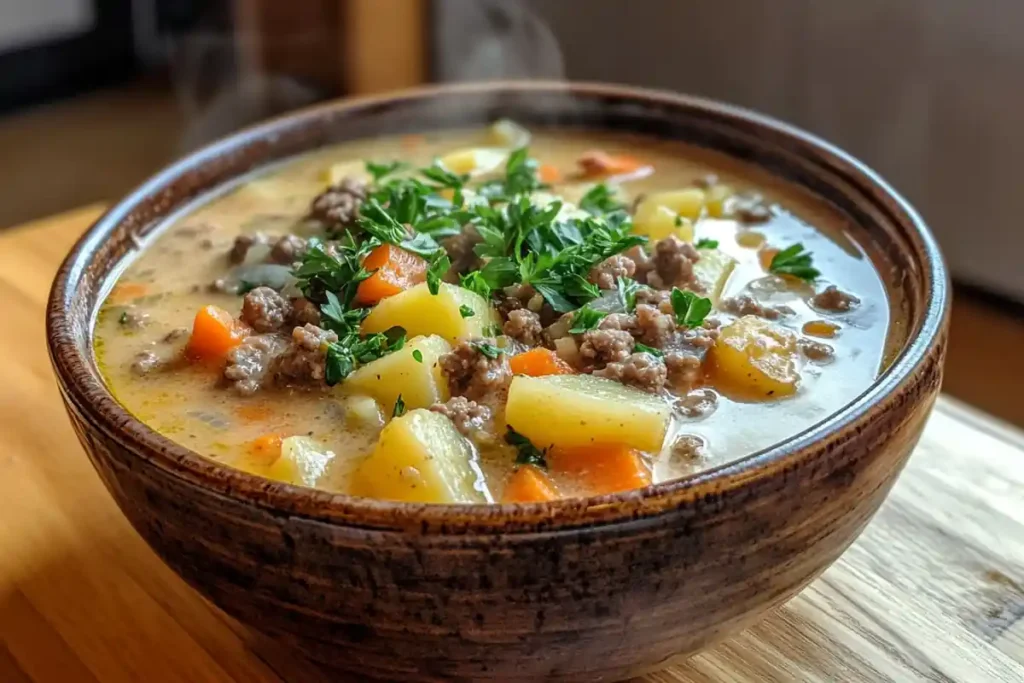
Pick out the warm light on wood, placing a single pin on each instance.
(384, 46)
(932, 589)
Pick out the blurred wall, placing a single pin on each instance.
(926, 91)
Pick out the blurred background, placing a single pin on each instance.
(97, 94)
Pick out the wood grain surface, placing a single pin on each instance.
(932, 591)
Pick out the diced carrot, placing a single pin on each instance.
(538, 362)
(266, 449)
(549, 174)
(395, 270)
(765, 256)
(599, 163)
(214, 333)
(529, 484)
(602, 468)
(255, 412)
(126, 291)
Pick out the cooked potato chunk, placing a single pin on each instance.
(658, 222)
(421, 458)
(715, 198)
(421, 384)
(423, 313)
(362, 413)
(713, 271)
(756, 359)
(581, 410)
(688, 203)
(474, 161)
(303, 461)
(508, 133)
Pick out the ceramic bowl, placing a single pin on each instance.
(575, 590)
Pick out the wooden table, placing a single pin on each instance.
(932, 591)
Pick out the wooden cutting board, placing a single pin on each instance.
(932, 591)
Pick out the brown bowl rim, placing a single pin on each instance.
(83, 387)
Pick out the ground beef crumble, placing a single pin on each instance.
(606, 273)
(524, 326)
(816, 351)
(243, 243)
(146, 362)
(249, 362)
(697, 403)
(744, 304)
(600, 347)
(684, 369)
(305, 359)
(305, 312)
(834, 299)
(288, 249)
(338, 205)
(467, 416)
(653, 327)
(264, 310)
(673, 265)
(687, 448)
(641, 370)
(472, 374)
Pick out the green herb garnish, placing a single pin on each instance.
(399, 409)
(705, 243)
(795, 261)
(690, 308)
(585, 319)
(644, 348)
(492, 330)
(439, 265)
(520, 178)
(526, 452)
(475, 282)
(489, 350)
(123, 318)
(678, 222)
(599, 200)
(626, 289)
(466, 311)
(417, 355)
(378, 171)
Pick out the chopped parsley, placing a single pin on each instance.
(351, 351)
(123, 318)
(586, 318)
(796, 261)
(678, 221)
(705, 243)
(439, 265)
(466, 311)
(378, 171)
(489, 350)
(626, 288)
(399, 409)
(599, 200)
(417, 355)
(644, 348)
(492, 330)
(690, 308)
(520, 178)
(526, 452)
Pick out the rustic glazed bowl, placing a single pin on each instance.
(574, 590)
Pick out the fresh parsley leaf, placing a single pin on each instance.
(690, 308)
(378, 171)
(123, 318)
(439, 265)
(475, 282)
(626, 289)
(554, 297)
(339, 365)
(599, 200)
(489, 350)
(339, 271)
(445, 179)
(466, 312)
(705, 243)
(379, 222)
(399, 407)
(586, 318)
(422, 244)
(377, 345)
(526, 452)
(417, 355)
(520, 178)
(795, 261)
(492, 330)
(644, 348)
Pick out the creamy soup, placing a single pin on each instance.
(502, 315)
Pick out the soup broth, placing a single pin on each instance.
(227, 331)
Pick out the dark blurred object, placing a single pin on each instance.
(76, 59)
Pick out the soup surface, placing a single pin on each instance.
(505, 315)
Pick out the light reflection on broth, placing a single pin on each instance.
(159, 292)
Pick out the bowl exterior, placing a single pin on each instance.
(602, 602)
(574, 590)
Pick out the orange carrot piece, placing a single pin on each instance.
(549, 174)
(602, 468)
(539, 362)
(395, 270)
(214, 333)
(266, 449)
(412, 142)
(126, 291)
(529, 484)
(597, 163)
